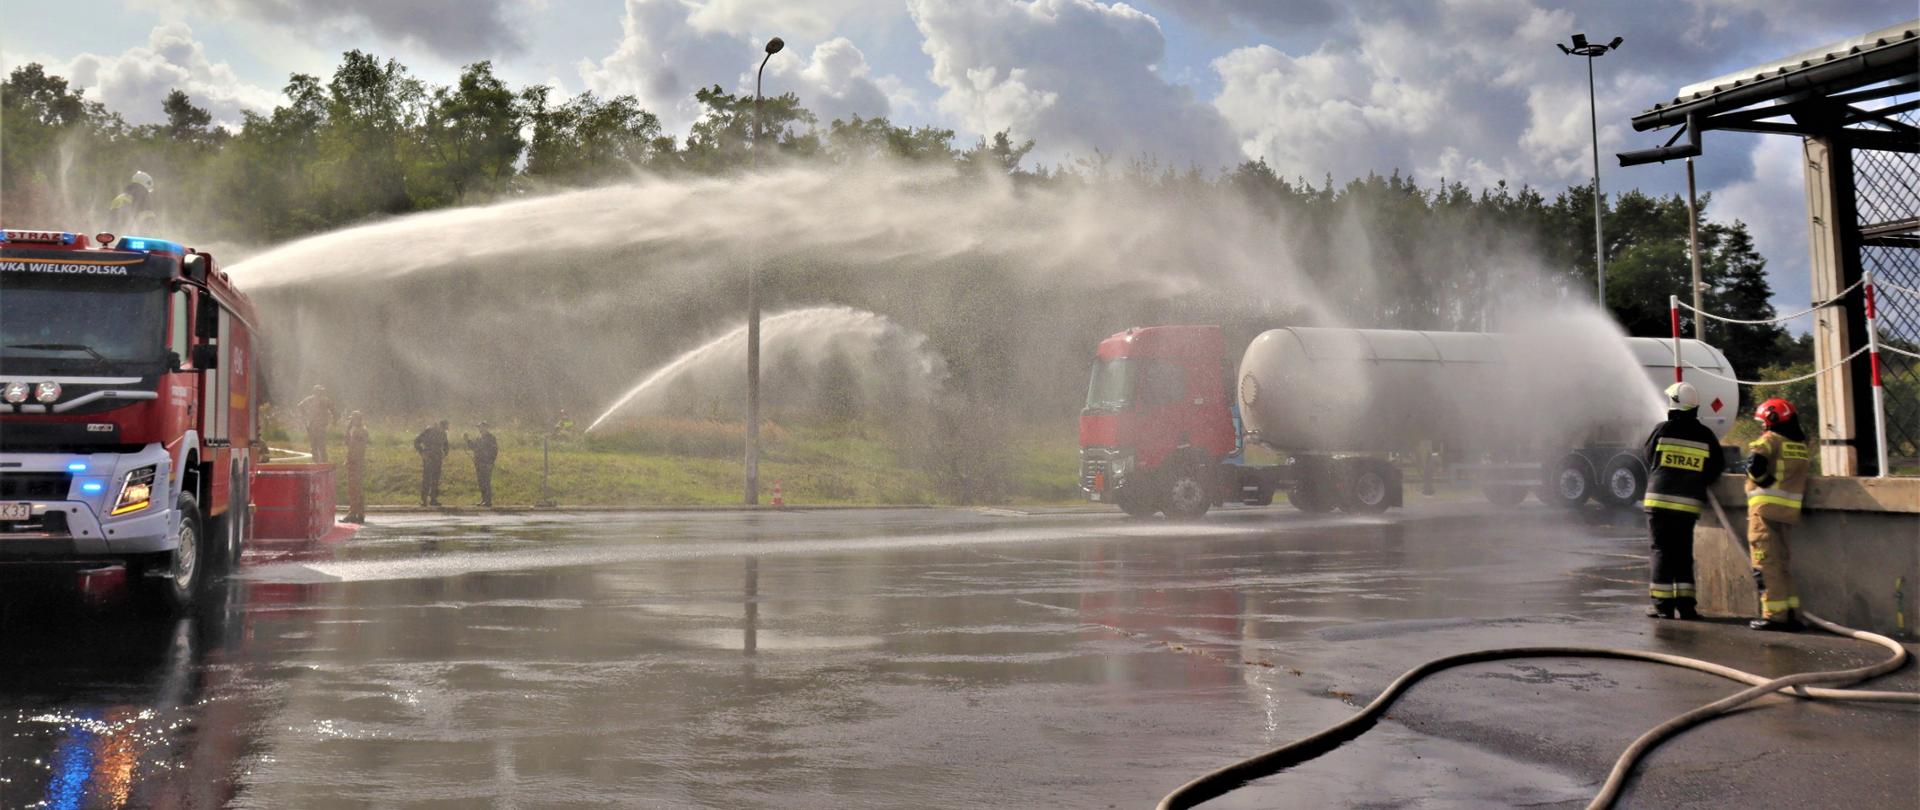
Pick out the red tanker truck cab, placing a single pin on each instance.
(129, 402)
(1158, 405)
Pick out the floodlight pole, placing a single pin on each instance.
(753, 309)
(1693, 248)
(1581, 47)
(1599, 200)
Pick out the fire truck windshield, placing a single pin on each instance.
(49, 325)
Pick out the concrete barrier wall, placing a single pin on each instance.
(1855, 555)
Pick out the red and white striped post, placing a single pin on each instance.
(1673, 313)
(1873, 358)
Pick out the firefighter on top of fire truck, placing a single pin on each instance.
(1683, 459)
(1777, 471)
(132, 209)
(318, 413)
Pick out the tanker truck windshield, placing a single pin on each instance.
(1112, 385)
(67, 324)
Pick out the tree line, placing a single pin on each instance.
(373, 140)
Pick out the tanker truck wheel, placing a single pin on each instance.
(1624, 482)
(1311, 495)
(1136, 506)
(1189, 492)
(1570, 482)
(1370, 490)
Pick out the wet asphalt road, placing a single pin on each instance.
(908, 659)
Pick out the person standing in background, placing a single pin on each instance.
(485, 450)
(318, 413)
(357, 440)
(431, 444)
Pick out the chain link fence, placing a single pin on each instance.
(1887, 202)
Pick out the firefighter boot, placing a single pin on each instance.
(1662, 609)
(1684, 610)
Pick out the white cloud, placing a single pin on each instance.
(1076, 75)
(666, 52)
(1773, 204)
(810, 20)
(1509, 106)
(135, 81)
(453, 29)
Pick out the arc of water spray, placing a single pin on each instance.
(773, 327)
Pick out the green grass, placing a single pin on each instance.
(688, 462)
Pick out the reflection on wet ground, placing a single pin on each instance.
(883, 659)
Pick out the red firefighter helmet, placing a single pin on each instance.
(1774, 412)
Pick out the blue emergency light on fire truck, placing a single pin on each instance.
(129, 403)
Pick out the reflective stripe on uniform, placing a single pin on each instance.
(1683, 589)
(1680, 454)
(1773, 495)
(1655, 500)
(1660, 593)
(1772, 606)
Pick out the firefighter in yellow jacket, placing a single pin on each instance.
(1776, 483)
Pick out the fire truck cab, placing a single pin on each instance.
(129, 403)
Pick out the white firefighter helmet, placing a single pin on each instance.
(1682, 396)
(143, 179)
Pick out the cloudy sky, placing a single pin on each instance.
(1462, 89)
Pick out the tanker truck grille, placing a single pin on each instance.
(1093, 467)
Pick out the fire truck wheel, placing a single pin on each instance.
(1189, 492)
(179, 573)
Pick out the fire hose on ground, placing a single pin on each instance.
(1810, 685)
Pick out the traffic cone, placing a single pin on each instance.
(778, 501)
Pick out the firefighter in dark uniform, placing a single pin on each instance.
(431, 444)
(485, 450)
(1777, 468)
(1683, 460)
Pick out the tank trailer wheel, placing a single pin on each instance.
(1625, 481)
(1570, 482)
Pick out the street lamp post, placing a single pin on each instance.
(753, 308)
(1581, 47)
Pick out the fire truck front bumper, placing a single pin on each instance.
(69, 530)
(58, 507)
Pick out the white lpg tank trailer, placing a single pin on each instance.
(1509, 413)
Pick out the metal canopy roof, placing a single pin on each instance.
(1807, 94)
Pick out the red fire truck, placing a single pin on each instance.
(129, 397)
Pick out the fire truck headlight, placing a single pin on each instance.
(47, 392)
(15, 393)
(136, 492)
